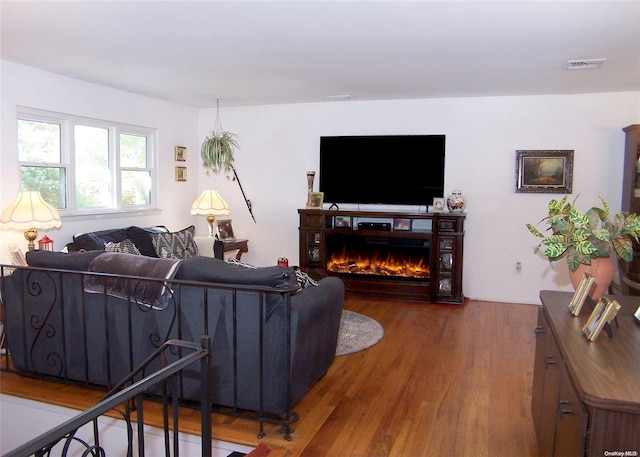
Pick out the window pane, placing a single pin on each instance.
(136, 188)
(133, 151)
(50, 181)
(93, 176)
(38, 141)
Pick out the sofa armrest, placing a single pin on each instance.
(316, 313)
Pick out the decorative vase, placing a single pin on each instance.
(456, 202)
(310, 178)
(602, 269)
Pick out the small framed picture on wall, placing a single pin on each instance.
(181, 173)
(181, 154)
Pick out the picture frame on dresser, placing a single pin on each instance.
(581, 294)
(604, 311)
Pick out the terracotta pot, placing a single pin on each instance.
(602, 269)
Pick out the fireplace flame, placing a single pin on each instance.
(373, 264)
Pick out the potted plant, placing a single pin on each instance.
(586, 238)
(217, 152)
(218, 148)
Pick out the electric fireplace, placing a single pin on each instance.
(377, 256)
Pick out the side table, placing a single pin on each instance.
(205, 246)
(241, 245)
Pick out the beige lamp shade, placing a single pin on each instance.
(29, 212)
(210, 204)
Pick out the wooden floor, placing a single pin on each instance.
(446, 380)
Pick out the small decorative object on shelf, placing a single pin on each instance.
(456, 202)
(315, 200)
(310, 178)
(45, 243)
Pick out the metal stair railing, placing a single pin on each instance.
(126, 393)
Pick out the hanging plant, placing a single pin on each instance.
(218, 148)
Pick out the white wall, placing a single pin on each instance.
(176, 124)
(279, 143)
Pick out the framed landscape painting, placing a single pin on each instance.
(544, 171)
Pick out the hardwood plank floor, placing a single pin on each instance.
(445, 380)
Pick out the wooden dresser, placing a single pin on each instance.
(586, 395)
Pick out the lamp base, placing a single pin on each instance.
(210, 219)
(31, 235)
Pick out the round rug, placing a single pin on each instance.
(357, 332)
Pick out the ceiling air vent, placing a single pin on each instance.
(586, 64)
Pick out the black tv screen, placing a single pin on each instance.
(392, 170)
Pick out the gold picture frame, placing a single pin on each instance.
(604, 312)
(438, 204)
(544, 171)
(315, 200)
(181, 154)
(581, 294)
(181, 173)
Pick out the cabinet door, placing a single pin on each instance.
(445, 278)
(539, 370)
(571, 424)
(553, 365)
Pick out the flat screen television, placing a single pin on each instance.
(390, 169)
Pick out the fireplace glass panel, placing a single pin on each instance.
(406, 258)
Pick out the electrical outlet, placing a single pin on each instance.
(519, 266)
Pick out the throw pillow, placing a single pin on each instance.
(93, 241)
(125, 246)
(176, 245)
(142, 239)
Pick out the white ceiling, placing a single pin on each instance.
(263, 52)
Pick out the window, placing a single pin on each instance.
(86, 165)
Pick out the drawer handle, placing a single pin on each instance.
(539, 330)
(549, 360)
(564, 411)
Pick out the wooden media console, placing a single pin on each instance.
(386, 255)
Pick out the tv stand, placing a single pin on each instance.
(417, 257)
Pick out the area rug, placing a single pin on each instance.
(357, 333)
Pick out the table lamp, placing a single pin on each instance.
(210, 204)
(29, 212)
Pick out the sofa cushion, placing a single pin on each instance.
(93, 241)
(151, 293)
(125, 246)
(209, 269)
(76, 261)
(141, 237)
(176, 245)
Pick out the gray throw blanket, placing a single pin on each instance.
(155, 294)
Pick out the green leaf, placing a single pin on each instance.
(535, 231)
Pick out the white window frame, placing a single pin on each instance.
(67, 124)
